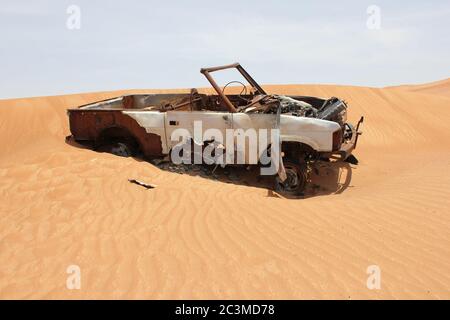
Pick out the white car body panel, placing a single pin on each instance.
(314, 132)
(153, 122)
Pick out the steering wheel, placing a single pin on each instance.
(243, 91)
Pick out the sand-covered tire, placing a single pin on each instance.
(295, 183)
(118, 148)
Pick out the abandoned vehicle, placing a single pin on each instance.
(310, 128)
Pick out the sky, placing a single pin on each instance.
(61, 47)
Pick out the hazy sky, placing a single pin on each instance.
(163, 44)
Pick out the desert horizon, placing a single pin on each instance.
(438, 85)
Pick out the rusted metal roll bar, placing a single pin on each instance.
(206, 72)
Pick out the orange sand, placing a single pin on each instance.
(193, 237)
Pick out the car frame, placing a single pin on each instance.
(146, 122)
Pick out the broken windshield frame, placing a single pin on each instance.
(206, 72)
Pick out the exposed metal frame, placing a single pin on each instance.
(206, 72)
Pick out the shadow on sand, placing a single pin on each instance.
(325, 178)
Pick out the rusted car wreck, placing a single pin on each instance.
(311, 128)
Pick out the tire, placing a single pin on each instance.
(296, 180)
(118, 148)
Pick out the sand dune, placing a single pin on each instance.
(440, 88)
(193, 237)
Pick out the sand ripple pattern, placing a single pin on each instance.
(197, 238)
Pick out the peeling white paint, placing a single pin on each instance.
(315, 132)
